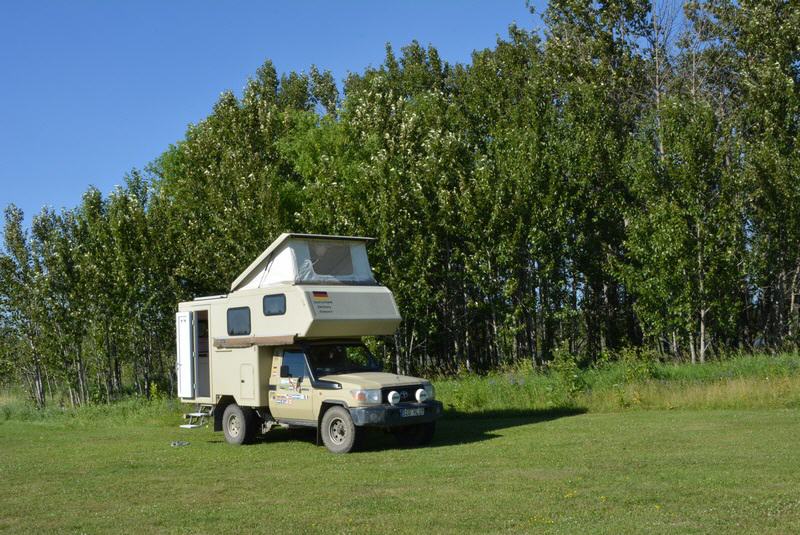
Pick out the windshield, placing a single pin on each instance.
(340, 358)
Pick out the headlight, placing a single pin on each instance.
(367, 396)
(430, 391)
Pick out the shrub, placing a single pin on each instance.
(565, 368)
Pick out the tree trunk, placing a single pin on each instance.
(701, 288)
(674, 344)
(117, 375)
(82, 386)
(147, 364)
(702, 335)
(794, 310)
(38, 383)
(397, 350)
(109, 364)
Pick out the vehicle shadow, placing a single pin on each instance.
(463, 428)
(457, 428)
(454, 428)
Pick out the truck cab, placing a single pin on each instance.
(284, 348)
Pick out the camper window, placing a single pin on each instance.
(274, 305)
(238, 321)
(331, 258)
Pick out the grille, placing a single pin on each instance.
(407, 393)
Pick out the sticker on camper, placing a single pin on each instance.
(281, 399)
(322, 302)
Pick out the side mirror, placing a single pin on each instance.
(284, 371)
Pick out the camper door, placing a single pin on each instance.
(185, 364)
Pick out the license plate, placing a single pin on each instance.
(412, 412)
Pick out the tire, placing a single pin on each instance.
(238, 424)
(415, 435)
(339, 433)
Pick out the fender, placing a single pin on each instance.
(324, 406)
(219, 409)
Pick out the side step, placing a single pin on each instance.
(198, 418)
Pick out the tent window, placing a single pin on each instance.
(238, 321)
(274, 305)
(331, 258)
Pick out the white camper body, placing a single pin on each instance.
(303, 287)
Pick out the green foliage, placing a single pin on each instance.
(632, 379)
(567, 372)
(123, 412)
(583, 193)
(684, 240)
(640, 364)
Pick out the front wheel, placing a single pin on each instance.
(339, 433)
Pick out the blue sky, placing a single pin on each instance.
(92, 89)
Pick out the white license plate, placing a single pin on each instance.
(412, 412)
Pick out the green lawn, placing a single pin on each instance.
(705, 471)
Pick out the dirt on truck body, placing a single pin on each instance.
(284, 348)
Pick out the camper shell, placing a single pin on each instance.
(284, 347)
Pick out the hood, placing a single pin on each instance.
(373, 379)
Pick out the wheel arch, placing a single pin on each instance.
(219, 410)
(323, 408)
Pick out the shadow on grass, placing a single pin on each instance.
(463, 428)
(453, 429)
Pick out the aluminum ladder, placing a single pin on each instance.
(198, 418)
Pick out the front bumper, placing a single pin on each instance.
(393, 415)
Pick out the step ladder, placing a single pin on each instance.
(198, 418)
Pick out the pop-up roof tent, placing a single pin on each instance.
(309, 259)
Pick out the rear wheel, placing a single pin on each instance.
(339, 433)
(238, 424)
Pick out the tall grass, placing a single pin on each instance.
(753, 381)
(124, 411)
(631, 383)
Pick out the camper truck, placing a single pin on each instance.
(284, 348)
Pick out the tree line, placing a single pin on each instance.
(626, 175)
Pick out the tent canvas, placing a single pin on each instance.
(309, 259)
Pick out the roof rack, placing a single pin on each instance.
(210, 297)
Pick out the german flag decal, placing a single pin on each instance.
(320, 296)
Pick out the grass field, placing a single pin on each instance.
(654, 471)
(637, 468)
